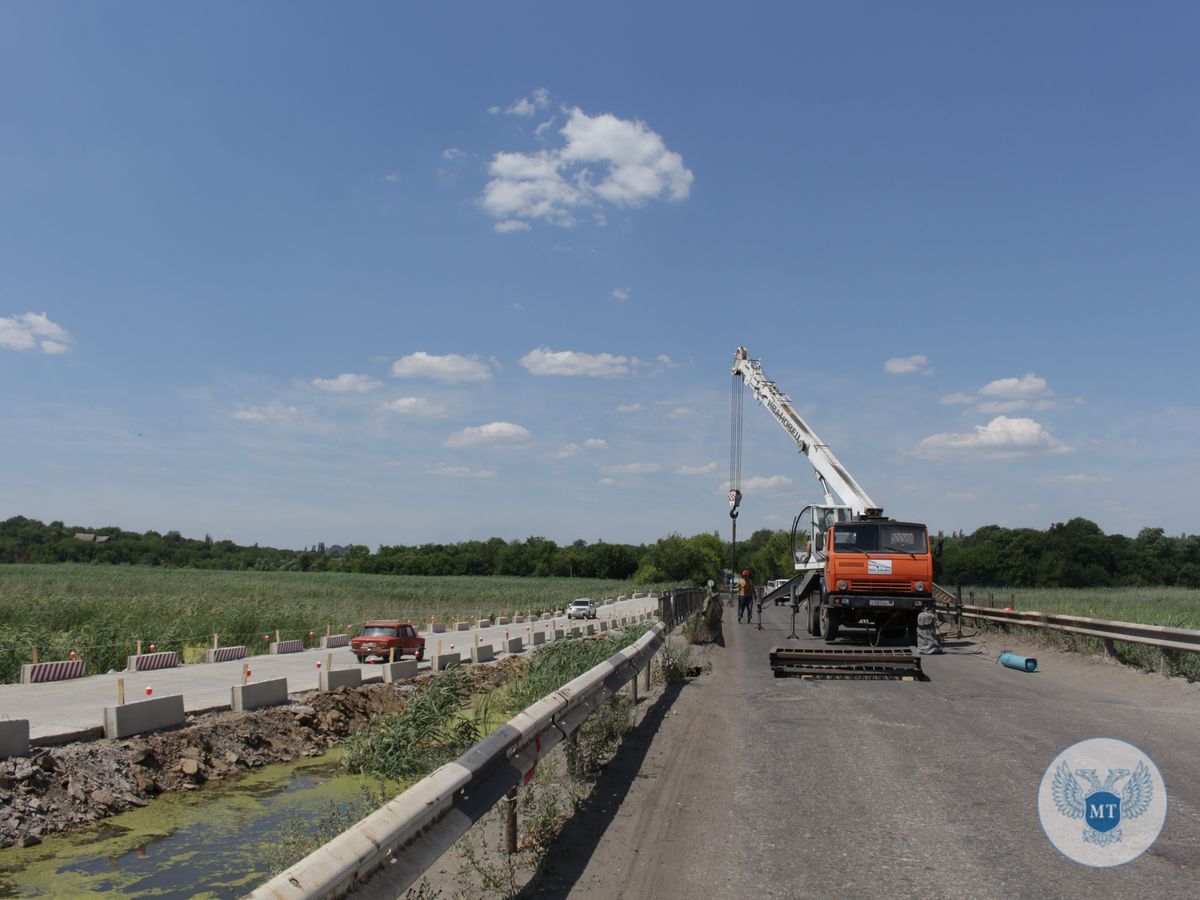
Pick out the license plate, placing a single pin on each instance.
(881, 602)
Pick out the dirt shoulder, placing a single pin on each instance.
(61, 788)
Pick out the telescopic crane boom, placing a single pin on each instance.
(834, 477)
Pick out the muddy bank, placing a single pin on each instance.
(60, 788)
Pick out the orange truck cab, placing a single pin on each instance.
(878, 574)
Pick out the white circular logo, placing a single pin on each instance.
(1102, 802)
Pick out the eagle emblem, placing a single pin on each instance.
(1098, 804)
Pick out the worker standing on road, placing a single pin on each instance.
(745, 595)
(927, 636)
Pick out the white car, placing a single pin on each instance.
(583, 608)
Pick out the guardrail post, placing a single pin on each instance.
(958, 611)
(648, 662)
(633, 688)
(1110, 650)
(510, 822)
(1165, 658)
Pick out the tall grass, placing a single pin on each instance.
(101, 612)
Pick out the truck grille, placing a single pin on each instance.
(890, 587)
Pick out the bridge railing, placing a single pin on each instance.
(1167, 640)
(398, 842)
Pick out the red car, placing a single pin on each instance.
(379, 639)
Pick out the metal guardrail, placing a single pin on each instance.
(1167, 640)
(675, 606)
(409, 833)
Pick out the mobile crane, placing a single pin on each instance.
(855, 567)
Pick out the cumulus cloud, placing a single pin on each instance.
(271, 414)
(621, 293)
(30, 331)
(766, 483)
(907, 365)
(541, 361)
(1001, 437)
(451, 153)
(459, 472)
(604, 159)
(450, 368)
(1007, 395)
(417, 407)
(634, 468)
(706, 469)
(631, 408)
(494, 434)
(607, 482)
(510, 225)
(347, 383)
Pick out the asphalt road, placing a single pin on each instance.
(63, 709)
(744, 785)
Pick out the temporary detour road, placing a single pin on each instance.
(744, 785)
(76, 707)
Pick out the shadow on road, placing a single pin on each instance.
(579, 837)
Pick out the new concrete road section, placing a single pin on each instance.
(74, 708)
(750, 786)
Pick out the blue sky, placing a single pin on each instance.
(395, 273)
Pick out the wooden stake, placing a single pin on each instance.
(139, 648)
(391, 654)
(120, 692)
(245, 672)
(35, 659)
(277, 635)
(328, 662)
(216, 641)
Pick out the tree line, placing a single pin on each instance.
(1076, 553)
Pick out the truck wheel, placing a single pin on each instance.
(814, 618)
(829, 625)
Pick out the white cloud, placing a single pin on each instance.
(347, 383)
(766, 483)
(511, 225)
(574, 449)
(33, 330)
(631, 408)
(683, 412)
(1029, 385)
(451, 368)
(413, 406)
(636, 468)
(1001, 437)
(706, 469)
(275, 415)
(541, 361)
(621, 293)
(452, 153)
(392, 177)
(1077, 479)
(634, 165)
(907, 365)
(494, 434)
(524, 107)
(460, 472)
(957, 399)
(961, 497)
(1003, 407)
(608, 482)
(540, 131)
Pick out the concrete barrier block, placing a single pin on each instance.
(574, 631)
(437, 628)
(333, 641)
(481, 653)
(440, 662)
(149, 661)
(224, 654)
(539, 638)
(399, 671)
(257, 694)
(143, 715)
(514, 645)
(331, 680)
(463, 626)
(589, 628)
(37, 673)
(559, 634)
(502, 620)
(14, 737)
(484, 623)
(604, 625)
(520, 620)
(295, 645)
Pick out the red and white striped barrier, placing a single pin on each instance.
(167, 659)
(36, 673)
(293, 646)
(225, 654)
(335, 640)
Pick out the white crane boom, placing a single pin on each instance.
(831, 473)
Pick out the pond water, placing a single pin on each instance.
(220, 841)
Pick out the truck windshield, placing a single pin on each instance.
(379, 631)
(871, 537)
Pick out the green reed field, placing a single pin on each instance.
(100, 612)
